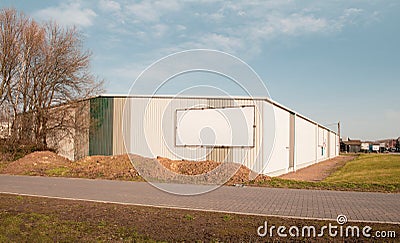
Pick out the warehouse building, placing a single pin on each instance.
(257, 132)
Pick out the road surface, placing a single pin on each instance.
(296, 203)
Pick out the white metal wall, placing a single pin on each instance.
(152, 128)
(337, 145)
(250, 157)
(157, 117)
(118, 141)
(149, 127)
(322, 150)
(332, 144)
(279, 160)
(305, 142)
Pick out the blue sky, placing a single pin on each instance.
(329, 60)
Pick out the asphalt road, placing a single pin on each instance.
(297, 203)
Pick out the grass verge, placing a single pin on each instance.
(379, 169)
(39, 227)
(32, 219)
(367, 172)
(323, 185)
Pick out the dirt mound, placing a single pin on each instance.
(117, 167)
(36, 163)
(188, 167)
(120, 168)
(241, 174)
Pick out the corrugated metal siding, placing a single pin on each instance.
(135, 108)
(306, 137)
(292, 142)
(82, 121)
(154, 135)
(220, 154)
(252, 157)
(337, 145)
(148, 127)
(164, 112)
(152, 127)
(332, 144)
(118, 145)
(322, 144)
(169, 122)
(280, 154)
(101, 132)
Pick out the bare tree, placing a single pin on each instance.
(10, 36)
(43, 66)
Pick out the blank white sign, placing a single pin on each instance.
(220, 127)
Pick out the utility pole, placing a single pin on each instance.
(338, 128)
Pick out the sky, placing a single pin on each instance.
(328, 60)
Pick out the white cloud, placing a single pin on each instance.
(109, 5)
(351, 16)
(352, 11)
(297, 24)
(68, 14)
(263, 23)
(172, 5)
(148, 11)
(221, 42)
(181, 27)
(248, 38)
(159, 30)
(292, 25)
(237, 27)
(144, 12)
(375, 16)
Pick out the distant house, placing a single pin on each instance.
(350, 146)
(374, 147)
(364, 147)
(382, 147)
(391, 143)
(387, 144)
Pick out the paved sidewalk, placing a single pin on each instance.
(319, 204)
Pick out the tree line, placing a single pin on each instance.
(43, 67)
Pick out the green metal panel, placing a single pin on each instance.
(101, 129)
